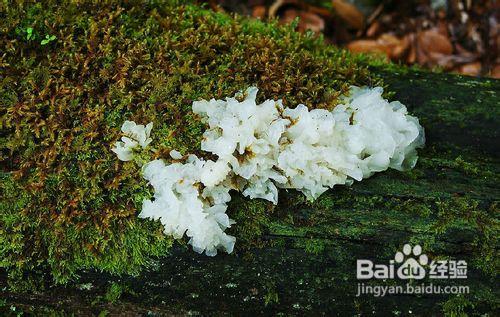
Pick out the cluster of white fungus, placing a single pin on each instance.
(263, 147)
(184, 206)
(136, 135)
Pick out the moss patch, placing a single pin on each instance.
(72, 74)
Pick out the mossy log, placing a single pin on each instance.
(69, 77)
(307, 261)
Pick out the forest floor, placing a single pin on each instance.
(459, 36)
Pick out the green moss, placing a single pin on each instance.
(271, 295)
(457, 306)
(114, 292)
(66, 202)
(252, 219)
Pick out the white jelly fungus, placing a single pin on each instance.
(263, 147)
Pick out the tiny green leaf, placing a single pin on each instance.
(29, 33)
(48, 39)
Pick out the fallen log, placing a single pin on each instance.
(307, 261)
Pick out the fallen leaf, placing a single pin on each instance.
(432, 41)
(365, 46)
(394, 46)
(432, 47)
(495, 72)
(349, 13)
(259, 11)
(307, 20)
(471, 69)
(388, 44)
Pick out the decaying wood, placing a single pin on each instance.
(447, 204)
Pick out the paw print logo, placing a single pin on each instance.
(411, 267)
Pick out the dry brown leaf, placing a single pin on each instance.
(365, 46)
(307, 20)
(393, 46)
(432, 41)
(495, 72)
(349, 13)
(401, 48)
(388, 44)
(259, 11)
(432, 48)
(471, 69)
